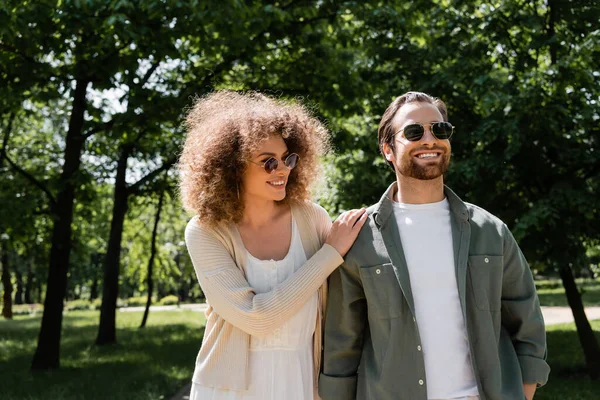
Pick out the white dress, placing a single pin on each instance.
(281, 363)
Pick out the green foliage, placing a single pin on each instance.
(169, 300)
(136, 301)
(78, 305)
(520, 83)
(96, 304)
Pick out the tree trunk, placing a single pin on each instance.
(191, 284)
(94, 289)
(29, 285)
(96, 261)
(6, 283)
(40, 291)
(586, 335)
(47, 354)
(107, 330)
(181, 287)
(19, 292)
(150, 281)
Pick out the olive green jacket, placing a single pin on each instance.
(372, 343)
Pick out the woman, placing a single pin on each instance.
(261, 250)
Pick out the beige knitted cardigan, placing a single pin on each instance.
(235, 311)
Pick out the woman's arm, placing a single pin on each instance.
(230, 295)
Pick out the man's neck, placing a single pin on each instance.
(417, 191)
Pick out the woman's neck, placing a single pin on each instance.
(260, 212)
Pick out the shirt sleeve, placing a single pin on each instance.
(345, 322)
(231, 296)
(521, 314)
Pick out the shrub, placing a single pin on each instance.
(96, 304)
(138, 301)
(26, 309)
(169, 300)
(78, 305)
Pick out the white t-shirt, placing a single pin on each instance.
(426, 236)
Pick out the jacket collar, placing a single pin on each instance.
(383, 209)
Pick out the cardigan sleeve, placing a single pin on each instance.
(321, 219)
(230, 295)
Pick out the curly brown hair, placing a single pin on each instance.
(223, 129)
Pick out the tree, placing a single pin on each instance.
(150, 282)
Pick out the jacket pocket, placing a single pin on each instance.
(485, 274)
(382, 290)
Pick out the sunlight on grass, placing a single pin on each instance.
(148, 363)
(551, 293)
(155, 362)
(568, 379)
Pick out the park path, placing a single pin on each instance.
(552, 316)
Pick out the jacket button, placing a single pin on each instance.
(421, 382)
(377, 271)
(419, 348)
(487, 260)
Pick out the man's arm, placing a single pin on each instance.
(522, 316)
(345, 322)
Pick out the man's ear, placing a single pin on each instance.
(388, 152)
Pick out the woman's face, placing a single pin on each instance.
(257, 183)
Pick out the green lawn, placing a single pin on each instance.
(551, 293)
(155, 362)
(568, 380)
(147, 364)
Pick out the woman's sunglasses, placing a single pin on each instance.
(272, 163)
(414, 132)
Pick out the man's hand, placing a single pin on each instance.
(529, 389)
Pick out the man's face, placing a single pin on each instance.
(424, 159)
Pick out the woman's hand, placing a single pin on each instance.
(345, 230)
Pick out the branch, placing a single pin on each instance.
(99, 128)
(135, 188)
(6, 137)
(149, 73)
(32, 179)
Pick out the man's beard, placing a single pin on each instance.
(426, 172)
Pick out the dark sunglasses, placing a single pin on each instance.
(414, 132)
(272, 163)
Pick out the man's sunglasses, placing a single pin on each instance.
(414, 132)
(272, 163)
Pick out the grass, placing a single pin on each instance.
(155, 362)
(551, 293)
(568, 379)
(150, 364)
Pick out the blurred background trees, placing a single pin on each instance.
(94, 93)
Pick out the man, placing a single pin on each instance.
(435, 299)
